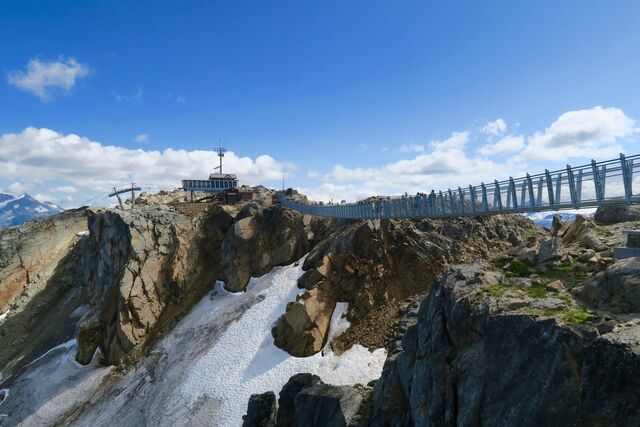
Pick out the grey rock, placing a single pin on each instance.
(553, 304)
(592, 241)
(261, 411)
(611, 214)
(461, 364)
(550, 250)
(618, 286)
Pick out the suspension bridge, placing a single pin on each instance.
(598, 183)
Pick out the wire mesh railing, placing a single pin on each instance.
(590, 185)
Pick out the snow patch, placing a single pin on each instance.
(251, 363)
(545, 219)
(4, 315)
(204, 371)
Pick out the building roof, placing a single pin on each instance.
(223, 176)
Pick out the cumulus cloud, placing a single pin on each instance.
(42, 77)
(507, 145)
(599, 133)
(44, 156)
(445, 165)
(142, 138)
(19, 187)
(494, 128)
(595, 132)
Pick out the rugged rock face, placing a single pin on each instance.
(152, 263)
(264, 238)
(612, 214)
(375, 266)
(261, 411)
(41, 284)
(471, 358)
(305, 401)
(616, 289)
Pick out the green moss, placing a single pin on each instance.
(572, 316)
(495, 290)
(576, 316)
(519, 269)
(536, 291)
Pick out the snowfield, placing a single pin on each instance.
(204, 371)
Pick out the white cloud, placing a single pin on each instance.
(596, 132)
(18, 187)
(412, 148)
(599, 133)
(507, 145)
(41, 77)
(180, 99)
(66, 189)
(494, 128)
(313, 174)
(45, 198)
(43, 155)
(142, 138)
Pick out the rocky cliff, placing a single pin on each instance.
(41, 285)
(376, 266)
(542, 334)
(150, 265)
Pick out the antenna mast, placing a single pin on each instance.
(221, 150)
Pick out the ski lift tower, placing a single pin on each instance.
(221, 150)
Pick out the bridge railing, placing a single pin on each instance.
(591, 185)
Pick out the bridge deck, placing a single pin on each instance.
(592, 185)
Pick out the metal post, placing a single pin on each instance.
(572, 187)
(547, 177)
(579, 186)
(485, 200)
(530, 184)
(461, 193)
(626, 178)
(523, 192)
(596, 180)
(497, 197)
(472, 196)
(442, 206)
(512, 187)
(539, 199)
(453, 210)
(559, 189)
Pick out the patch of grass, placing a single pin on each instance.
(577, 270)
(495, 290)
(519, 269)
(576, 316)
(536, 291)
(572, 316)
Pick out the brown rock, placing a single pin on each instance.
(556, 286)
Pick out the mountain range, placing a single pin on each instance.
(15, 210)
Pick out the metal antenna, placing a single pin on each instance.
(221, 150)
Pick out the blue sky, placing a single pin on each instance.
(345, 98)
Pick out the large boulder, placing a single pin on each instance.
(263, 238)
(305, 401)
(302, 330)
(611, 214)
(551, 250)
(617, 288)
(261, 411)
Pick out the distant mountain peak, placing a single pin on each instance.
(15, 210)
